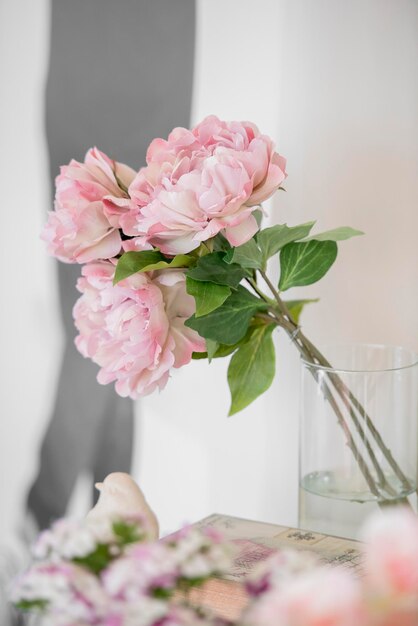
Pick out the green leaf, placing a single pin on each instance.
(127, 532)
(179, 261)
(30, 605)
(247, 255)
(96, 561)
(211, 348)
(146, 261)
(185, 584)
(252, 367)
(258, 215)
(272, 239)
(296, 306)
(225, 350)
(337, 234)
(161, 593)
(208, 296)
(198, 356)
(212, 268)
(220, 243)
(229, 323)
(304, 263)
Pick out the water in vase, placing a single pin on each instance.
(329, 504)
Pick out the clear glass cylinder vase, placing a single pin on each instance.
(358, 436)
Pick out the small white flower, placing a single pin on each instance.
(66, 539)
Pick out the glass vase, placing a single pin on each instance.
(358, 436)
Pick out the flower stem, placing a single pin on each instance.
(313, 355)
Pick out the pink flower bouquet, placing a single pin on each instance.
(175, 268)
(172, 254)
(113, 576)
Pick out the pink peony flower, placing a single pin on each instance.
(79, 231)
(201, 182)
(322, 597)
(391, 556)
(135, 330)
(391, 567)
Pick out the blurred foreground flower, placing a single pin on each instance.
(121, 579)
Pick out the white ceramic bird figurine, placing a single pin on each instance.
(120, 496)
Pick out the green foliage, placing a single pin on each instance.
(252, 367)
(228, 323)
(225, 350)
(227, 314)
(220, 243)
(208, 296)
(160, 593)
(271, 240)
(185, 584)
(127, 532)
(296, 307)
(146, 261)
(212, 353)
(199, 356)
(304, 263)
(97, 560)
(211, 348)
(258, 215)
(212, 268)
(337, 234)
(31, 605)
(216, 350)
(248, 255)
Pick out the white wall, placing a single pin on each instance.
(335, 83)
(29, 328)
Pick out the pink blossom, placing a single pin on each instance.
(322, 597)
(151, 612)
(201, 553)
(201, 182)
(70, 591)
(278, 569)
(391, 566)
(135, 330)
(65, 539)
(146, 567)
(391, 556)
(143, 612)
(78, 230)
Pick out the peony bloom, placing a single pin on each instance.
(135, 330)
(391, 567)
(322, 597)
(79, 231)
(201, 182)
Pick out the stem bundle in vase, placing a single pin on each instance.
(175, 267)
